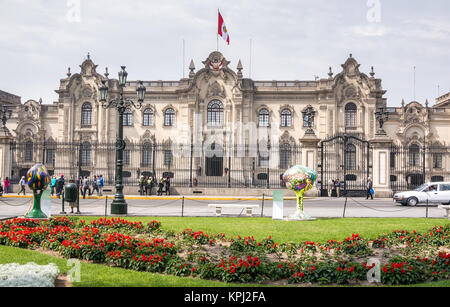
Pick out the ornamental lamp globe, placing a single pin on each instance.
(123, 76)
(103, 91)
(140, 91)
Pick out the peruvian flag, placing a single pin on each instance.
(223, 30)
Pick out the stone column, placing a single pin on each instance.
(381, 145)
(309, 157)
(5, 153)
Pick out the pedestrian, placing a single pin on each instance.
(80, 185)
(6, 185)
(100, 185)
(22, 185)
(330, 187)
(148, 185)
(167, 185)
(1, 189)
(142, 180)
(53, 184)
(337, 184)
(160, 186)
(86, 187)
(60, 186)
(369, 187)
(95, 185)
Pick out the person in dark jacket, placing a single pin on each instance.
(160, 186)
(60, 186)
(369, 187)
(167, 183)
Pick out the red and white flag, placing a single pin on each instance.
(223, 30)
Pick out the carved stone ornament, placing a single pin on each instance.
(216, 62)
(216, 90)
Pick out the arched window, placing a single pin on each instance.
(285, 156)
(350, 115)
(215, 113)
(147, 154)
(350, 157)
(286, 118)
(414, 155)
(86, 114)
(263, 118)
(29, 151)
(148, 117)
(169, 117)
(86, 154)
(128, 117)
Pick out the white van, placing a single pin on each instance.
(434, 192)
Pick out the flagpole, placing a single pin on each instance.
(217, 31)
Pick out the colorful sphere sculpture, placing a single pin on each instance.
(38, 177)
(300, 179)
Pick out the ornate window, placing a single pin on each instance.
(29, 151)
(437, 160)
(86, 114)
(350, 157)
(215, 113)
(128, 117)
(126, 157)
(168, 157)
(50, 158)
(286, 118)
(350, 115)
(285, 156)
(414, 155)
(308, 117)
(147, 154)
(148, 117)
(169, 117)
(263, 118)
(86, 154)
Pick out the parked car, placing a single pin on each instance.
(433, 192)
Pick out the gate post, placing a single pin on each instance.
(5, 153)
(381, 156)
(309, 155)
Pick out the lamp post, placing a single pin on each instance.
(119, 205)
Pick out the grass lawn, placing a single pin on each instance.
(94, 275)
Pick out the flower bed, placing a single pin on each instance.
(28, 275)
(406, 257)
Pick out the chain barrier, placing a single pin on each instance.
(14, 205)
(365, 206)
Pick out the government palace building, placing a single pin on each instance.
(218, 130)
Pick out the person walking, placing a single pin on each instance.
(369, 187)
(60, 186)
(22, 185)
(167, 185)
(337, 184)
(95, 185)
(86, 187)
(53, 184)
(330, 187)
(6, 185)
(100, 185)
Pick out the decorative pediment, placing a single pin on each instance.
(216, 62)
(351, 67)
(88, 68)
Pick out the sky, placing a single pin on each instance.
(289, 39)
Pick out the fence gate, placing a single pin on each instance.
(347, 158)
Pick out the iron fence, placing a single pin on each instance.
(188, 165)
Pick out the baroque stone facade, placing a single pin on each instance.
(218, 102)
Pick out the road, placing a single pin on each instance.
(198, 206)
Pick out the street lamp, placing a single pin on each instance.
(119, 206)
